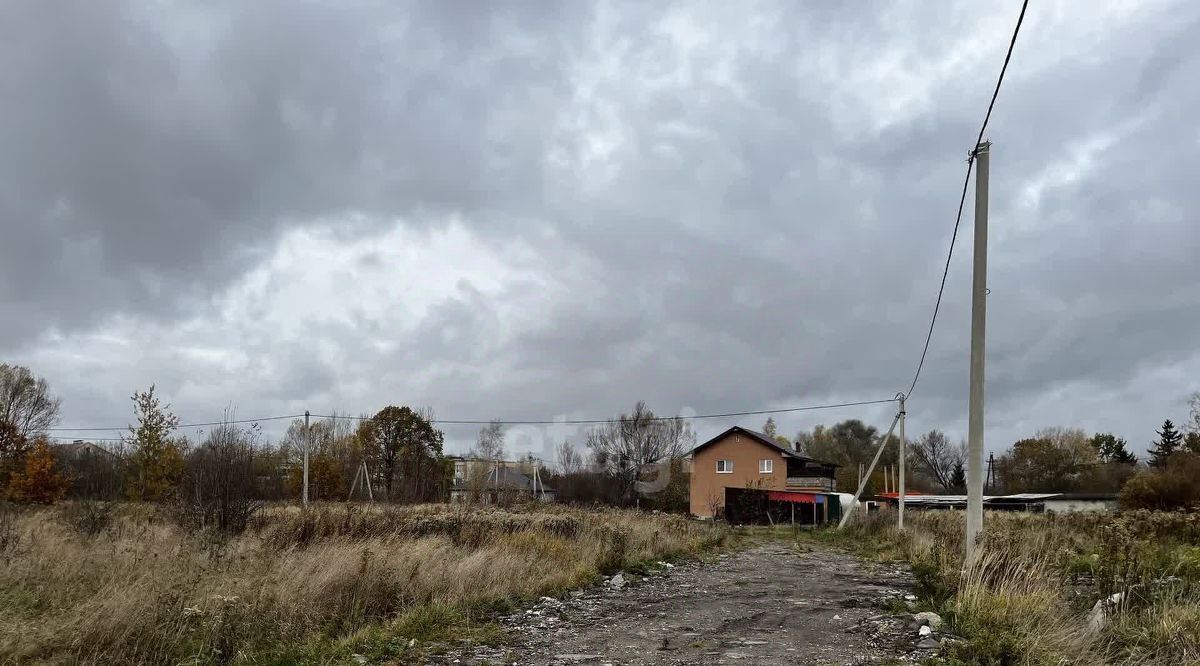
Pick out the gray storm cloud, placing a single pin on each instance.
(706, 207)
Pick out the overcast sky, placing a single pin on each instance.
(533, 210)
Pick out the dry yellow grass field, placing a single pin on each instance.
(317, 585)
(1028, 597)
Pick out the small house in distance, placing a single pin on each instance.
(498, 481)
(744, 459)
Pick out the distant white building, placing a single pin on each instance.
(80, 448)
(1026, 502)
(1080, 503)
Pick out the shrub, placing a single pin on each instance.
(1173, 486)
(219, 491)
(1025, 597)
(88, 518)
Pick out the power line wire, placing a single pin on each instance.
(692, 417)
(186, 425)
(805, 408)
(1004, 68)
(945, 272)
(963, 198)
(85, 439)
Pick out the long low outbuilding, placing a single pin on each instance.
(1026, 502)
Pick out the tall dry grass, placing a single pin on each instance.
(300, 584)
(1025, 599)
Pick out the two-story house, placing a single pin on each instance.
(742, 458)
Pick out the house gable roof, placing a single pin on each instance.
(81, 448)
(761, 439)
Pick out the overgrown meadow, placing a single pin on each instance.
(124, 583)
(1029, 597)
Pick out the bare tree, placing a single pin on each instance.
(219, 486)
(489, 445)
(96, 473)
(335, 455)
(772, 431)
(485, 458)
(624, 448)
(806, 442)
(569, 460)
(25, 402)
(1053, 460)
(938, 458)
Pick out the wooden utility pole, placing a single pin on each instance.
(978, 329)
(361, 472)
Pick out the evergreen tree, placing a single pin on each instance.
(1112, 449)
(1169, 441)
(958, 477)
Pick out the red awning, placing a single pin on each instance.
(785, 496)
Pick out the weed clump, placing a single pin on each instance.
(1029, 594)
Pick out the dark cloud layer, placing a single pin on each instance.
(709, 207)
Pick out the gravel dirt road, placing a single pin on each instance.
(770, 604)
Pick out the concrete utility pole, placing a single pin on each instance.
(978, 327)
(903, 445)
(867, 477)
(307, 444)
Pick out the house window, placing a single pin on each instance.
(724, 467)
(766, 466)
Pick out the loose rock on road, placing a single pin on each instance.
(771, 604)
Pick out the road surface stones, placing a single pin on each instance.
(771, 604)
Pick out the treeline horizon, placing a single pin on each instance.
(225, 473)
(404, 457)
(1053, 459)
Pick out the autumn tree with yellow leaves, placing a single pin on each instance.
(156, 460)
(39, 482)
